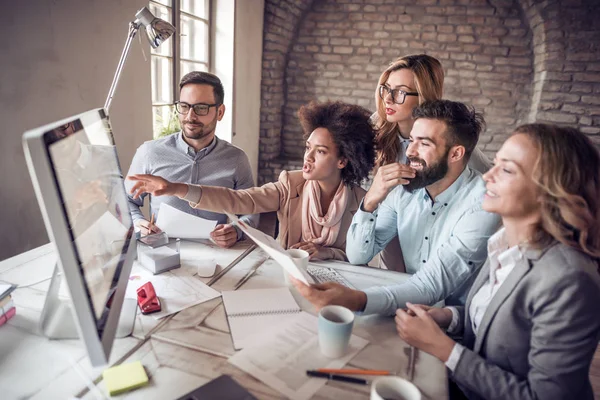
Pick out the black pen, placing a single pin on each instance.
(334, 377)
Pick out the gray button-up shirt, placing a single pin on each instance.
(218, 164)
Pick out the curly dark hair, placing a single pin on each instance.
(351, 132)
(464, 124)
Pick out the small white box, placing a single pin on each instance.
(160, 258)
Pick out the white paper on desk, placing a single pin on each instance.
(177, 289)
(273, 249)
(179, 224)
(282, 358)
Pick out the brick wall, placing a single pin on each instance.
(281, 23)
(566, 63)
(515, 60)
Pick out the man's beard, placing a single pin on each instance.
(429, 174)
(201, 133)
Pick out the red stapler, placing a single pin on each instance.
(147, 299)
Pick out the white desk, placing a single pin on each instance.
(187, 349)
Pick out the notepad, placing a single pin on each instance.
(124, 377)
(256, 311)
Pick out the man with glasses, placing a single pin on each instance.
(194, 155)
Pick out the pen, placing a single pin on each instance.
(334, 377)
(354, 371)
(152, 219)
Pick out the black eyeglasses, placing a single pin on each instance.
(200, 109)
(398, 95)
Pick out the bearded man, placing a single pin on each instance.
(194, 155)
(433, 204)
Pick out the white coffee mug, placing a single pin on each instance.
(394, 388)
(300, 258)
(335, 328)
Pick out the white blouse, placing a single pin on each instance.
(502, 261)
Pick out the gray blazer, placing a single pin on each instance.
(539, 333)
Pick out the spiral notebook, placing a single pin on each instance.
(256, 311)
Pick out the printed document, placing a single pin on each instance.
(282, 358)
(179, 224)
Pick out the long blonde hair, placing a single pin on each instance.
(429, 82)
(567, 173)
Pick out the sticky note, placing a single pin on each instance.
(124, 377)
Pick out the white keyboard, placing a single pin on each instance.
(327, 274)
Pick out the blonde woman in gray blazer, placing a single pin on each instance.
(531, 323)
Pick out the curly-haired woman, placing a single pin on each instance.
(531, 324)
(315, 205)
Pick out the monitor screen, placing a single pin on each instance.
(77, 179)
(85, 166)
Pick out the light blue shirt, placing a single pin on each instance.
(218, 164)
(444, 242)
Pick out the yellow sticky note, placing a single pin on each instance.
(124, 377)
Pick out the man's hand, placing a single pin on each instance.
(388, 177)
(224, 235)
(325, 294)
(146, 228)
(312, 249)
(420, 330)
(156, 186)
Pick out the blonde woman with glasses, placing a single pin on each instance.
(531, 323)
(408, 82)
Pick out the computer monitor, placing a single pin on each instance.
(78, 182)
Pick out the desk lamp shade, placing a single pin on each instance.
(157, 30)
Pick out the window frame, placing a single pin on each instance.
(175, 58)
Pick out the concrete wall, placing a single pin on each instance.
(57, 59)
(237, 60)
(247, 74)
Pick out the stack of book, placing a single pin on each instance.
(7, 306)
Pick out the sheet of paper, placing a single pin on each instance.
(177, 289)
(179, 224)
(273, 249)
(282, 358)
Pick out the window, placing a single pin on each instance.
(188, 50)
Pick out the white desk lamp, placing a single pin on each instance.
(157, 31)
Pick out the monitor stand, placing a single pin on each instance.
(57, 320)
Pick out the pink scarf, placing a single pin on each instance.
(322, 230)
